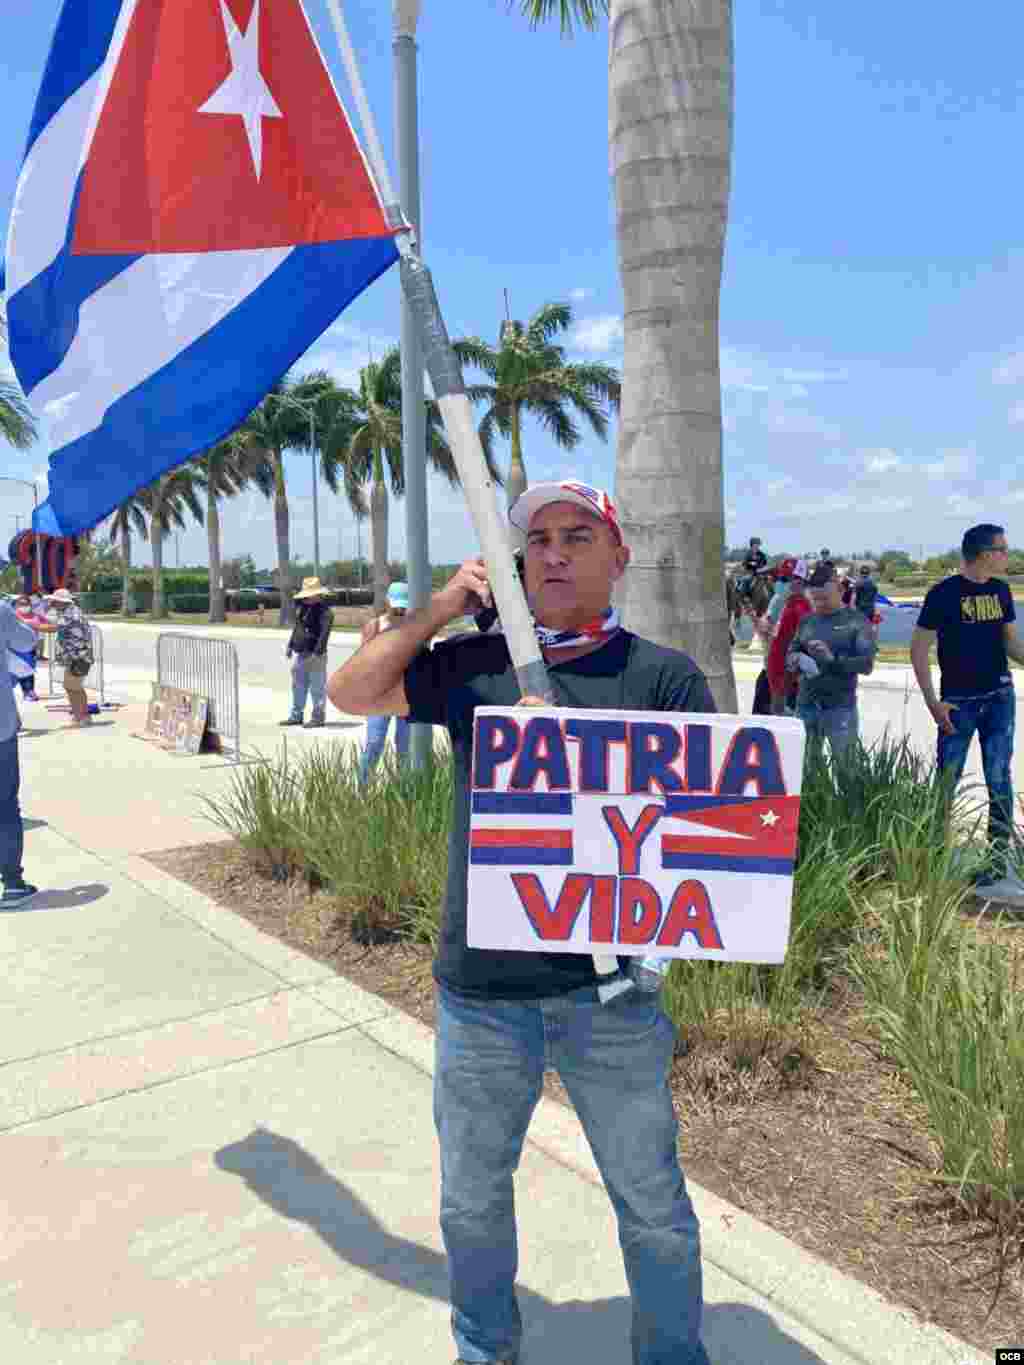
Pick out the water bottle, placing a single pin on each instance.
(648, 973)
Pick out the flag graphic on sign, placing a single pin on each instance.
(522, 829)
(193, 211)
(731, 834)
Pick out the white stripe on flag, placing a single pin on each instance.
(190, 293)
(46, 187)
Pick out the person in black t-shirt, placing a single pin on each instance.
(972, 616)
(503, 1016)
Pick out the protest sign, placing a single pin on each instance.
(633, 832)
(176, 719)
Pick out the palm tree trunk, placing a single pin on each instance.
(213, 541)
(379, 531)
(282, 530)
(515, 484)
(156, 540)
(670, 134)
(127, 596)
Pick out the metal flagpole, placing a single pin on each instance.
(446, 377)
(414, 424)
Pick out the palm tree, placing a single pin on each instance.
(226, 469)
(364, 445)
(273, 427)
(530, 375)
(17, 425)
(670, 132)
(166, 500)
(128, 517)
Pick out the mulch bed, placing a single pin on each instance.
(833, 1152)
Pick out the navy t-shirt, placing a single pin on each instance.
(444, 686)
(969, 619)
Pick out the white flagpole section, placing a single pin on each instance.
(446, 376)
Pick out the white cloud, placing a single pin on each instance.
(776, 486)
(881, 461)
(598, 335)
(580, 295)
(813, 376)
(798, 422)
(1016, 416)
(1010, 370)
(951, 464)
(963, 506)
(740, 372)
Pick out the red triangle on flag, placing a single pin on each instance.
(163, 176)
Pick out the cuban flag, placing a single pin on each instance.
(522, 829)
(747, 834)
(193, 211)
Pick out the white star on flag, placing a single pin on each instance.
(770, 819)
(245, 93)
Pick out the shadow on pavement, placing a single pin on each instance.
(295, 1185)
(70, 899)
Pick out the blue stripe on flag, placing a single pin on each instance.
(80, 47)
(721, 862)
(43, 316)
(213, 385)
(522, 857)
(521, 803)
(679, 805)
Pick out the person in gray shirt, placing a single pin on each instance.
(831, 647)
(14, 634)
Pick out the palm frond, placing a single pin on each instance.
(554, 419)
(17, 424)
(584, 12)
(473, 351)
(547, 322)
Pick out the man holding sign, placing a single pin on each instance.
(503, 1016)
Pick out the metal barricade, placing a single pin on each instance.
(209, 668)
(97, 659)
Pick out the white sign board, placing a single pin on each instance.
(633, 832)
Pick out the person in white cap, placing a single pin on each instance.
(377, 726)
(308, 645)
(503, 1016)
(74, 651)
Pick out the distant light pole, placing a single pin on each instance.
(35, 503)
(310, 412)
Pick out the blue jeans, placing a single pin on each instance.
(12, 833)
(376, 738)
(838, 724)
(992, 716)
(614, 1061)
(309, 674)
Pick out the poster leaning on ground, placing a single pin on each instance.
(633, 832)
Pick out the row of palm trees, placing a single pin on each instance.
(358, 439)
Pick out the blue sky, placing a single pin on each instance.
(872, 343)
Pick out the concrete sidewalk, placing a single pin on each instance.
(218, 1151)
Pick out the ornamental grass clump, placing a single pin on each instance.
(261, 809)
(948, 1009)
(381, 852)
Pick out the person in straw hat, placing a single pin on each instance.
(74, 651)
(308, 646)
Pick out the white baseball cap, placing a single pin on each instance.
(594, 500)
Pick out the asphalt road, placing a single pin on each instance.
(890, 703)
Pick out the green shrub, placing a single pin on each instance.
(189, 604)
(949, 1010)
(383, 851)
